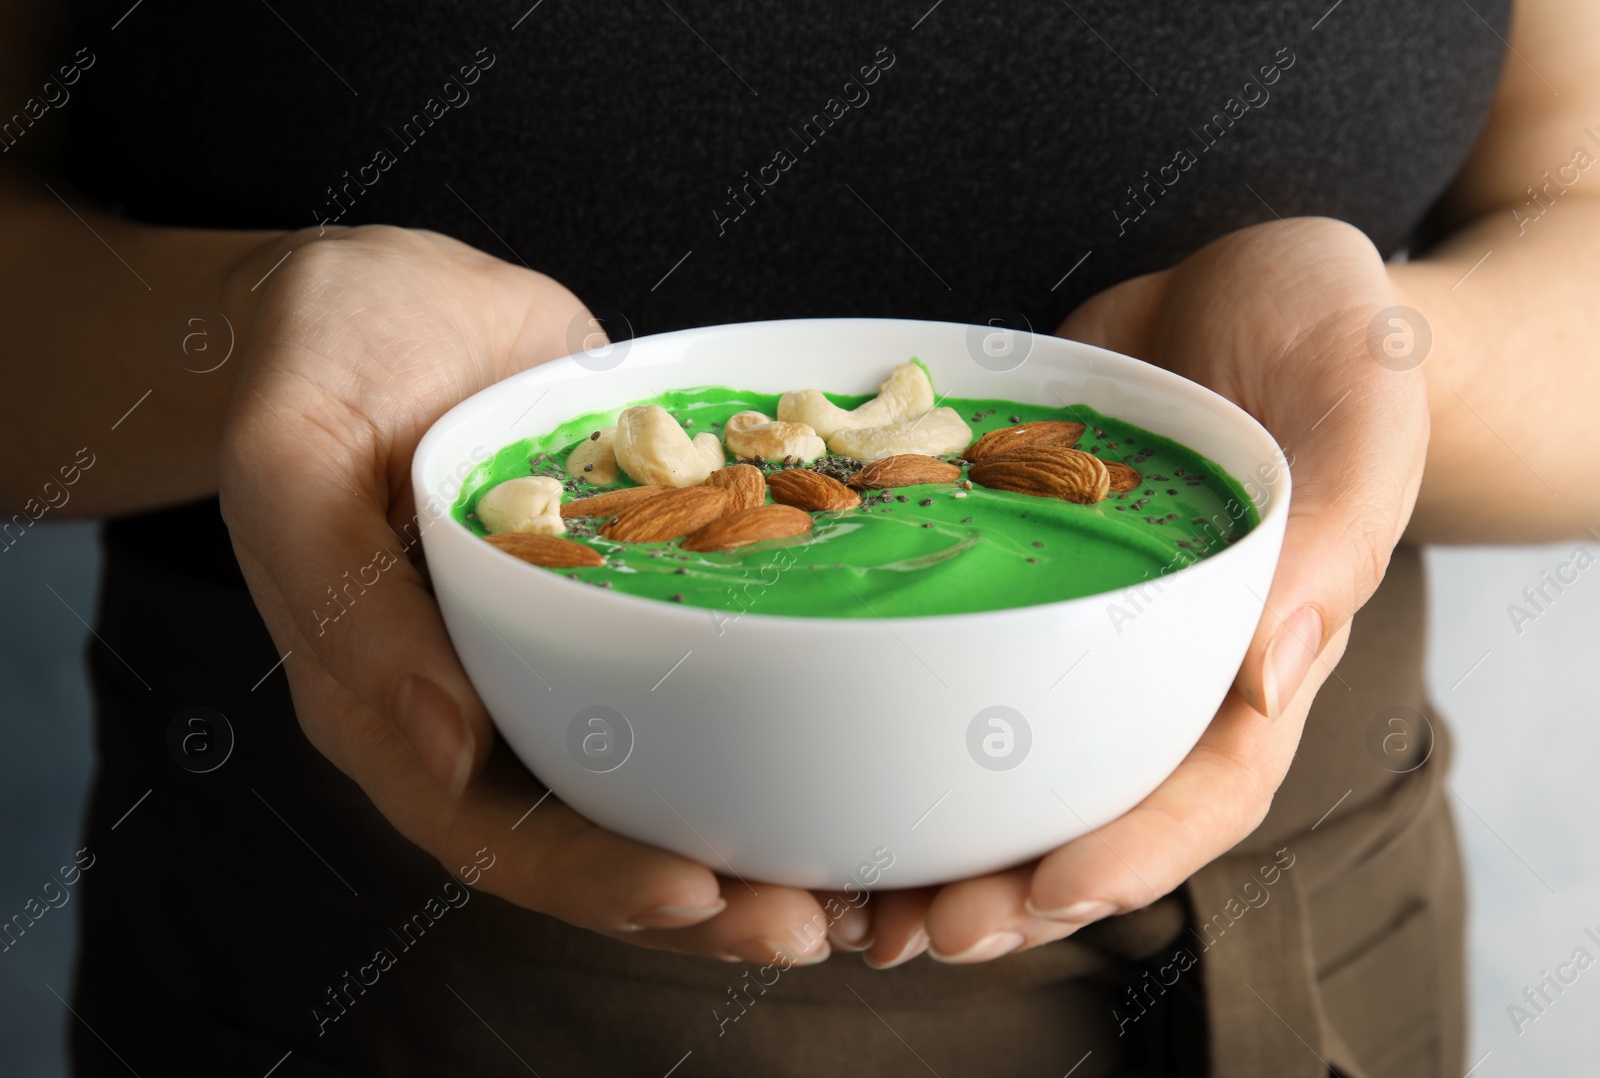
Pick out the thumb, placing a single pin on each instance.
(1353, 496)
(1120, 319)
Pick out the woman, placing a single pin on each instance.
(1213, 188)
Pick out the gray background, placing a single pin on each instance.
(1525, 785)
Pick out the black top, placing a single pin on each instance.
(704, 163)
(988, 148)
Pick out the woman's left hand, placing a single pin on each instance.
(1275, 317)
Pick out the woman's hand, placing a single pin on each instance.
(359, 341)
(1276, 318)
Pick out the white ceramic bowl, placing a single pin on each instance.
(818, 752)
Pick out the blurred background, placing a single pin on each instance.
(1526, 786)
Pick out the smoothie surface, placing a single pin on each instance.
(896, 556)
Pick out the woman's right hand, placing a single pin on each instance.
(355, 345)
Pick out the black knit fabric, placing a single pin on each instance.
(995, 147)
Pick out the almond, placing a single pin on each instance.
(905, 470)
(743, 484)
(750, 526)
(811, 491)
(1047, 472)
(1122, 477)
(998, 444)
(603, 505)
(666, 516)
(547, 550)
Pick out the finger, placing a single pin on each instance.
(762, 923)
(1121, 318)
(1353, 497)
(981, 919)
(898, 926)
(307, 501)
(849, 919)
(1217, 796)
(546, 857)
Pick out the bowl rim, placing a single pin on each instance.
(1268, 530)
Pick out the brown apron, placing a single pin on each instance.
(1345, 947)
(1356, 958)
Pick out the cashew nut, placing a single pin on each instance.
(905, 394)
(751, 435)
(531, 505)
(933, 433)
(653, 449)
(595, 459)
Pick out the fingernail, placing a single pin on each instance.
(768, 953)
(849, 946)
(436, 730)
(677, 916)
(914, 946)
(1090, 909)
(989, 947)
(1289, 656)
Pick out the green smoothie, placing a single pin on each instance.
(921, 550)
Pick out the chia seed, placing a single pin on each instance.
(926, 501)
(966, 520)
(1033, 561)
(901, 498)
(1037, 543)
(959, 494)
(678, 598)
(1172, 490)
